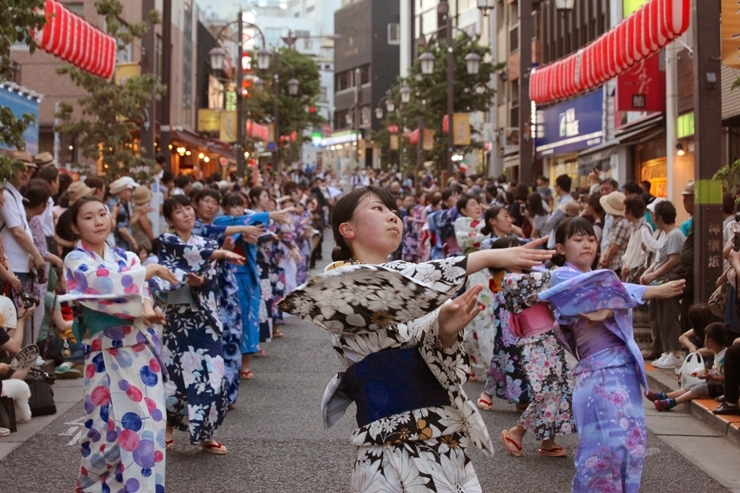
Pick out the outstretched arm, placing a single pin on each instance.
(524, 257)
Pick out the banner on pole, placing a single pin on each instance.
(461, 125)
(227, 131)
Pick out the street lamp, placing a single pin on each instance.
(263, 58)
(427, 63)
(379, 113)
(472, 61)
(217, 55)
(405, 93)
(485, 6)
(293, 86)
(563, 5)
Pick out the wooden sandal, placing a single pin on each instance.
(246, 375)
(213, 448)
(169, 444)
(513, 448)
(556, 451)
(485, 405)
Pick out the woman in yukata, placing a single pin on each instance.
(124, 448)
(506, 379)
(548, 374)
(229, 307)
(401, 345)
(246, 276)
(593, 309)
(197, 394)
(480, 333)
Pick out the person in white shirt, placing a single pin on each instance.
(15, 231)
(562, 190)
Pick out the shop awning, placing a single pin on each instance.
(639, 131)
(74, 40)
(188, 138)
(645, 32)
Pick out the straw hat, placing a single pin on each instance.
(120, 185)
(24, 157)
(44, 159)
(613, 203)
(689, 190)
(570, 209)
(77, 190)
(142, 195)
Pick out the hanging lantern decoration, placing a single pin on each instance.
(76, 41)
(645, 32)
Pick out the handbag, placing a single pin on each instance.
(42, 395)
(694, 362)
(718, 300)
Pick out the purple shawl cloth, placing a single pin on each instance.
(574, 291)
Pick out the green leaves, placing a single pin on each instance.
(108, 119)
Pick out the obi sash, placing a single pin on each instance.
(532, 321)
(94, 322)
(391, 382)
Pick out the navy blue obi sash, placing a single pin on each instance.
(391, 382)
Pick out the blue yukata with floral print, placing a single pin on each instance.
(124, 446)
(197, 395)
(229, 310)
(607, 399)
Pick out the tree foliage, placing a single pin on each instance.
(473, 93)
(293, 111)
(19, 20)
(108, 124)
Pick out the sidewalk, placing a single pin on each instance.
(67, 393)
(710, 442)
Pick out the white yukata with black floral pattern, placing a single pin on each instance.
(424, 449)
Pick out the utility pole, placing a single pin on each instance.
(708, 245)
(276, 109)
(526, 32)
(420, 144)
(239, 145)
(356, 116)
(450, 90)
(164, 133)
(148, 66)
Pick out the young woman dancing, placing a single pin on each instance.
(124, 448)
(401, 345)
(594, 310)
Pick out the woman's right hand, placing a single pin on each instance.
(156, 270)
(523, 257)
(280, 217)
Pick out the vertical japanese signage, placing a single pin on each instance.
(730, 33)
(642, 88)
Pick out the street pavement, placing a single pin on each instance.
(277, 443)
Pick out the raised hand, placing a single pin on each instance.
(455, 316)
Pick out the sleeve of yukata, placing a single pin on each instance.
(445, 276)
(119, 292)
(520, 290)
(467, 232)
(182, 259)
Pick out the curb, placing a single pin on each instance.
(666, 381)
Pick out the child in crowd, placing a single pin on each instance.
(700, 317)
(716, 340)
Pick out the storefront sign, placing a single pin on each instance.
(629, 6)
(126, 71)
(570, 126)
(642, 88)
(19, 104)
(227, 129)
(209, 120)
(730, 33)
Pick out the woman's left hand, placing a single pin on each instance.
(234, 258)
(154, 316)
(195, 280)
(455, 316)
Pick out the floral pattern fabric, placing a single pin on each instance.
(423, 449)
(193, 350)
(548, 373)
(124, 447)
(481, 332)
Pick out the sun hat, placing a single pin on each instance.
(613, 203)
(77, 190)
(44, 159)
(570, 208)
(120, 185)
(24, 157)
(8, 314)
(689, 190)
(656, 201)
(142, 195)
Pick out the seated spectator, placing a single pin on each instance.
(716, 341)
(701, 317)
(12, 321)
(122, 209)
(55, 335)
(732, 364)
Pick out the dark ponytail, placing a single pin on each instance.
(344, 211)
(490, 215)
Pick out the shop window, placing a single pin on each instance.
(394, 33)
(685, 125)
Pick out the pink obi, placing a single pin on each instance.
(532, 321)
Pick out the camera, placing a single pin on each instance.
(736, 233)
(29, 300)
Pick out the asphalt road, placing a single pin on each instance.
(277, 443)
